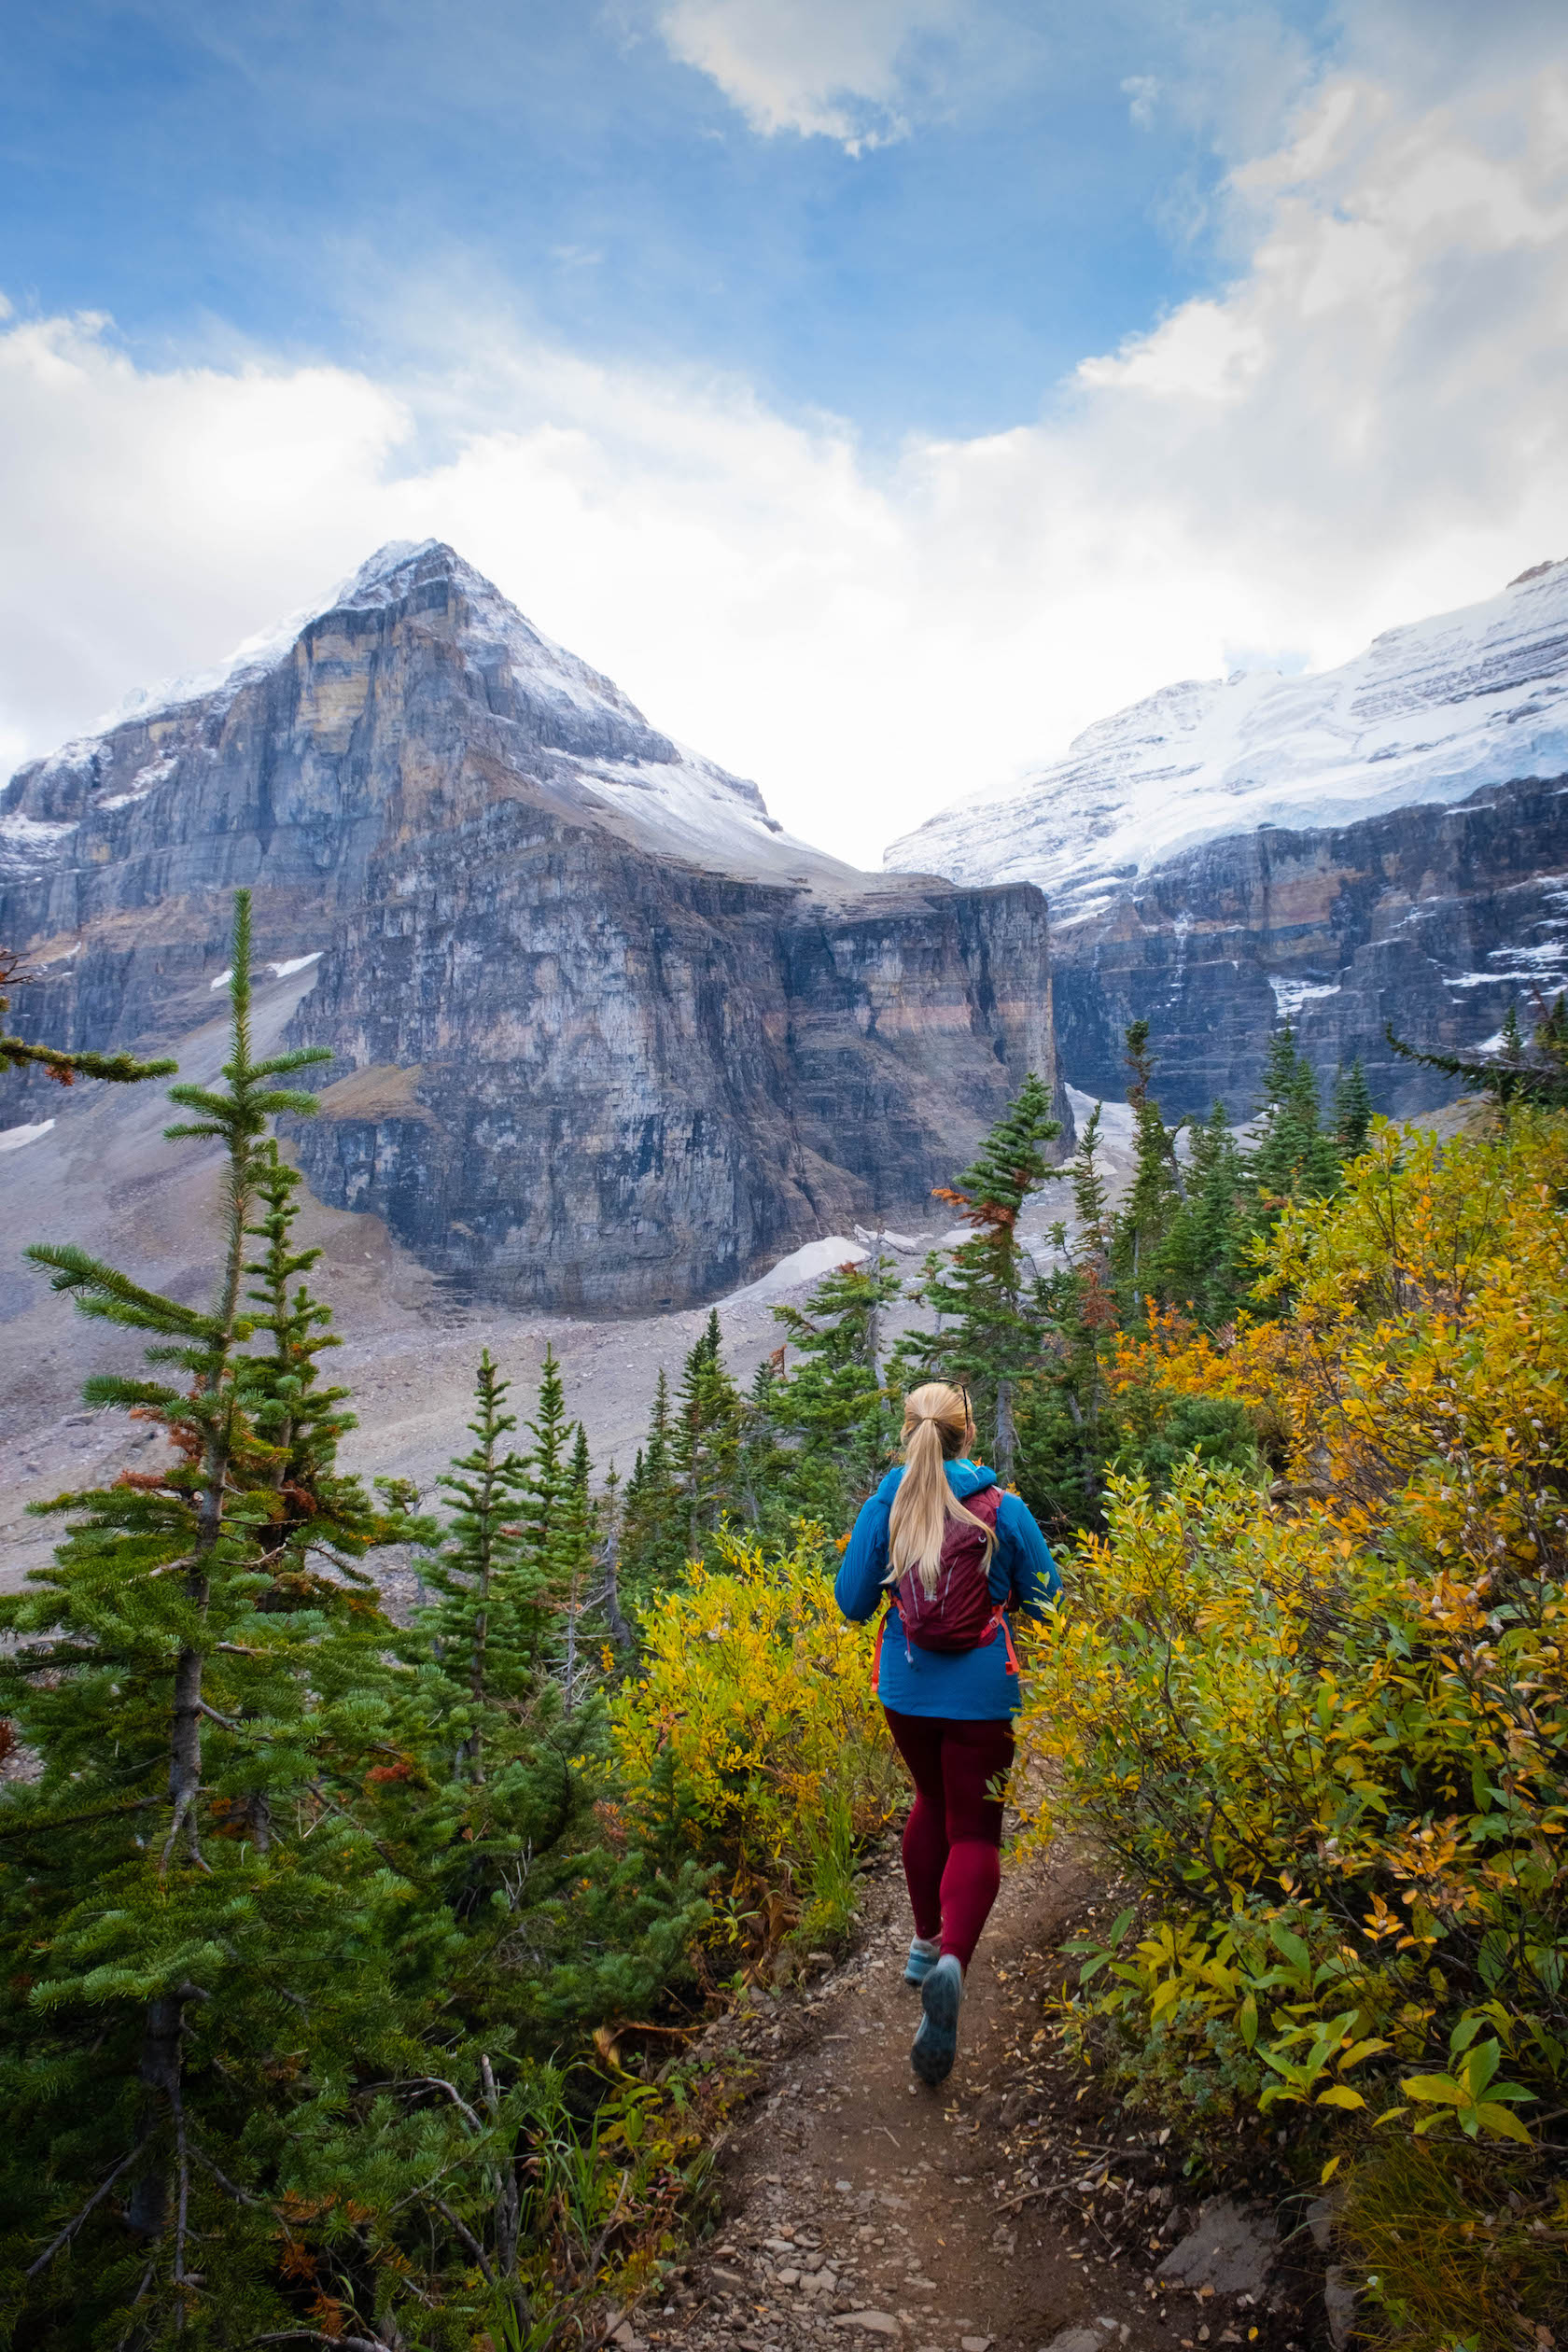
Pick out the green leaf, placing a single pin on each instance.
(1248, 2020)
(1436, 2088)
(1502, 2123)
(1292, 1947)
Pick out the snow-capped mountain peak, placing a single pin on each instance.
(1430, 711)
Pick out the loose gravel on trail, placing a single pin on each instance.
(859, 2208)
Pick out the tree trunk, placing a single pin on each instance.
(148, 2210)
(609, 1593)
(1006, 1434)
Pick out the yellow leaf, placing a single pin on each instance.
(1329, 2170)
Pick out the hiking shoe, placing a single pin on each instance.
(936, 2044)
(924, 1953)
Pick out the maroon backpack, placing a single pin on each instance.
(960, 1614)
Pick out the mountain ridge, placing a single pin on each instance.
(634, 1041)
(1385, 841)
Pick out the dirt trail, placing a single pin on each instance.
(861, 2207)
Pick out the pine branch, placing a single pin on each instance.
(65, 1068)
(97, 2197)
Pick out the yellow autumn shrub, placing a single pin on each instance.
(752, 1725)
(1326, 1722)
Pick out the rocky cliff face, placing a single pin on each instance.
(605, 1037)
(1388, 842)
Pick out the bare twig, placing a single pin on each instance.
(469, 2239)
(431, 2082)
(71, 2228)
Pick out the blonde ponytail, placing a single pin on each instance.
(935, 1425)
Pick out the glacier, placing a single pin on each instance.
(1431, 712)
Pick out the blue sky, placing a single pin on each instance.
(271, 172)
(881, 390)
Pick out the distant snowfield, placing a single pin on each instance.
(14, 1139)
(801, 1267)
(1430, 713)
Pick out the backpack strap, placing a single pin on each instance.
(999, 1618)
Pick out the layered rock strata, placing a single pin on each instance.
(604, 1036)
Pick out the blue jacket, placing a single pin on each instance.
(966, 1686)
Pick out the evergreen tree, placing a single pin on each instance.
(987, 1340)
(1064, 1429)
(1533, 1073)
(706, 1444)
(1292, 1156)
(834, 1400)
(474, 1626)
(1201, 1265)
(1352, 1111)
(319, 1513)
(609, 1533)
(576, 1555)
(1154, 1197)
(549, 1528)
(184, 2002)
(767, 1467)
(653, 1530)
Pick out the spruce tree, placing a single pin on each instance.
(1535, 1073)
(1292, 1156)
(1064, 1431)
(473, 1626)
(550, 1535)
(706, 1439)
(1201, 1265)
(1154, 1197)
(1352, 1111)
(834, 1400)
(575, 1554)
(654, 1531)
(185, 2002)
(608, 1552)
(986, 1339)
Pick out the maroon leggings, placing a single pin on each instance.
(952, 1841)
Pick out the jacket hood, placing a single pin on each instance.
(964, 1477)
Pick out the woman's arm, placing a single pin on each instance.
(1033, 1573)
(858, 1588)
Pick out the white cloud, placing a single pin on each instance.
(835, 69)
(1142, 92)
(1369, 424)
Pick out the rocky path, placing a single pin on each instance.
(1007, 2212)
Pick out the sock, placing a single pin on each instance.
(928, 1947)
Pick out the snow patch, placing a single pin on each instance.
(1431, 712)
(13, 1139)
(1290, 995)
(33, 832)
(223, 978)
(295, 964)
(146, 780)
(801, 1267)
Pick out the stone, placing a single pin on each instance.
(604, 1039)
(976, 2343)
(1320, 2220)
(1075, 2339)
(871, 2322)
(1339, 2307)
(1229, 2252)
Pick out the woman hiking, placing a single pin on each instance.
(952, 1553)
